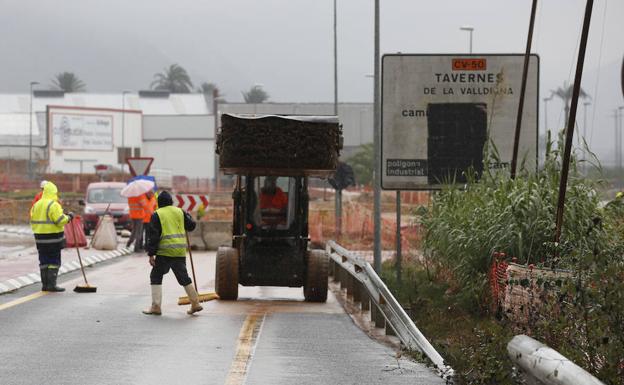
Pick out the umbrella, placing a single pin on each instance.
(144, 177)
(137, 187)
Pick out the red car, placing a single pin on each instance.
(103, 196)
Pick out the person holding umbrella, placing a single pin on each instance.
(138, 205)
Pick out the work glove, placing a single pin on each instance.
(70, 215)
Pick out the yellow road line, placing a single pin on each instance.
(23, 299)
(246, 341)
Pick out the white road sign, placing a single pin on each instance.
(76, 131)
(440, 111)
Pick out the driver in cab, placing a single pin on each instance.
(272, 198)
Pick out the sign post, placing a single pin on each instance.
(139, 165)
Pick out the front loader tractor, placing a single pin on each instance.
(272, 158)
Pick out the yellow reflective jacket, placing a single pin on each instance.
(46, 215)
(173, 236)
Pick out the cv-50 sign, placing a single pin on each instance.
(440, 111)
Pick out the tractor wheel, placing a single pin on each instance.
(226, 273)
(315, 286)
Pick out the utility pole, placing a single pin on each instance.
(525, 70)
(565, 167)
(30, 140)
(338, 192)
(377, 155)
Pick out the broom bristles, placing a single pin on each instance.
(202, 298)
(85, 289)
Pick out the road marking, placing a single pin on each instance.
(23, 299)
(246, 347)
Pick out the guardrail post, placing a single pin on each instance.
(336, 272)
(350, 285)
(389, 330)
(377, 316)
(357, 291)
(365, 301)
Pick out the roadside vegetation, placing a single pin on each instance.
(580, 314)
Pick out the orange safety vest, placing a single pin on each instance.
(137, 206)
(151, 207)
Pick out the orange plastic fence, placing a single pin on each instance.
(357, 224)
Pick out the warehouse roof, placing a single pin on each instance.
(164, 104)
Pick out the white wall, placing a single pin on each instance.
(190, 158)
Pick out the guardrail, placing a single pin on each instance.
(364, 286)
(546, 364)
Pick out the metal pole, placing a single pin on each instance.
(338, 203)
(471, 40)
(584, 142)
(30, 138)
(338, 194)
(617, 140)
(123, 131)
(335, 61)
(377, 155)
(571, 121)
(398, 236)
(215, 109)
(525, 71)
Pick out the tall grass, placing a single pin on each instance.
(466, 224)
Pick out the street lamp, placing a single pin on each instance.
(468, 28)
(30, 167)
(123, 129)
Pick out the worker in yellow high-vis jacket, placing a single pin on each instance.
(166, 248)
(47, 221)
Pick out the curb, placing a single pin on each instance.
(15, 230)
(29, 279)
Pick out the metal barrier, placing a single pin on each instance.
(545, 364)
(364, 286)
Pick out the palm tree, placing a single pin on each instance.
(565, 94)
(68, 82)
(211, 90)
(256, 94)
(174, 79)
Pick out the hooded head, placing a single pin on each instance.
(164, 199)
(50, 191)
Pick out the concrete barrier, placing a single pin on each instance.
(210, 235)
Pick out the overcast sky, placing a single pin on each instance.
(287, 45)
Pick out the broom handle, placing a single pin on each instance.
(78, 251)
(188, 246)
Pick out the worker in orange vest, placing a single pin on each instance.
(138, 206)
(152, 205)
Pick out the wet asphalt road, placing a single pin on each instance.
(269, 336)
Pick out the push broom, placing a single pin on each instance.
(86, 288)
(202, 297)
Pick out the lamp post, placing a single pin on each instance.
(470, 29)
(30, 167)
(123, 129)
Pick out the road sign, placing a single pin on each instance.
(191, 202)
(139, 165)
(439, 112)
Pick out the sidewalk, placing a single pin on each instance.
(19, 262)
